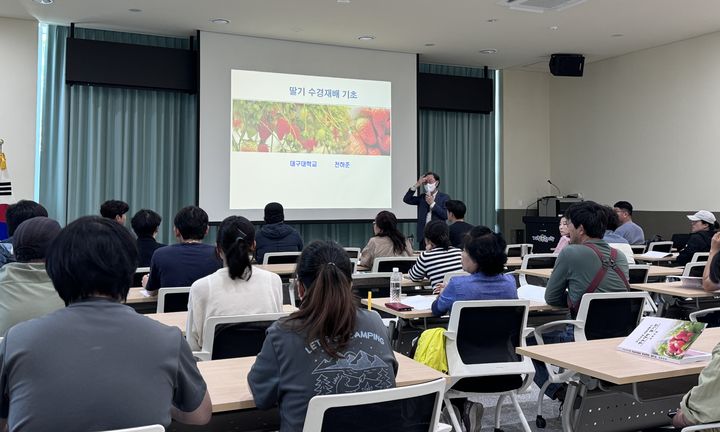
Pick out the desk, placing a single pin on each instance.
(513, 262)
(653, 271)
(641, 257)
(379, 304)
(179, 319)
(601, 359)
(674, 289)
(227, 380)
(278, 269)
(135, 296)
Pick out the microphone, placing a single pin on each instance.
(555, 186)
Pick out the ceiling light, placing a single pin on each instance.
(366, 38)
(488, 51)
(43, 2)
(135, 10)
(220, 21)
(492, 20)
(429, 44)
(617, 35)
(343, 1)
(553, 28)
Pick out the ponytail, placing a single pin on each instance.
(235, 238)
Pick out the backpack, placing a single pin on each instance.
(431, 349)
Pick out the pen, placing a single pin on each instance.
(369, 300)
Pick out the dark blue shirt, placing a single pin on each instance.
(181, 264)
(475, 286)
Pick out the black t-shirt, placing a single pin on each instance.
(181, 264)
(457, 233)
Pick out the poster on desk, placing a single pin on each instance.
(666, 339)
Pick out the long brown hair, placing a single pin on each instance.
(387, 224)
(328, 310)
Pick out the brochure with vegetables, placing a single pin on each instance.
(666, 339)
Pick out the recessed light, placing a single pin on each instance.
(366, 38)
(44, 2)
(492, 20)
(134, 10)
(553, 28)
(429, 44)
(343, 1)
(488, 51)
(617, 35)
(220, 21)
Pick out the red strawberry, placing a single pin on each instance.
(381, 120)
(237, 123)
(309, 144)
(282, 127)
(263, 131)
(263, 148)
(366, 131)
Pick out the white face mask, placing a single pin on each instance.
(430, 187)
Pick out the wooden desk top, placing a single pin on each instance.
(513, 262)
(653, 271)
(229, 390)
(674, 289)
(379, 304)
(601, 359)
(278, 269)
(642, 257)
(135, 296)
(179, 319)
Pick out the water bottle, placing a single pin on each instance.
(395, 285)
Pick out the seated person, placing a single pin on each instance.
(15, 215)
(613, 239)
(96, 364)
(484, 258)
(711, 273)
(25, 288)
(628, 229)
(703, 225)
(183, 263)
(387, 242)
(564, 237)
(235, 289)
(458, 227)
(275, 235)
(575, 271)
(702, 404)
(439, 257)
(114, 209)
(303, 353)
(145, 223)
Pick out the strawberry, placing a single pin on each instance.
(309, 144)
(237, 123)
(263, 148)
(282, 127)
(366, 131)
(381, 120)
(263, 131)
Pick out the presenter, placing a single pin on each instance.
(430, 202)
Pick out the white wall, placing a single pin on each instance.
(18, 90)
(525, 138)
(643, 127)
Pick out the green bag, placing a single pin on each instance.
(431, 349)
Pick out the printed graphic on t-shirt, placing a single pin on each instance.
(355, 372)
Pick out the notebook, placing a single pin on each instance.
(666, 339)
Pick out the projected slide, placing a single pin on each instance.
(309, 142)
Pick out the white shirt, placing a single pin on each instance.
(218, 295)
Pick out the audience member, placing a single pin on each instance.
(114, 209)
(25, 288)
(387, 242)
(483, 256)
(430, 202)
(564, 237)
(458, 227)
(15, 215)
(703, 225)
(330, 345)
(613, 239)
(439, 257)
(628, 229)
(183, 263)
(235, 289)
(145, 224)
(588, 264)
(702, 403)
(97, 364)
(711, 273)
(275, 235)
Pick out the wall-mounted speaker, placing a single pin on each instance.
(567, 64)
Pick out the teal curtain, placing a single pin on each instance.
(99, 143)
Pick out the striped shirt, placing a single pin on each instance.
(433, 264)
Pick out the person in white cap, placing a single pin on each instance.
(703, 225)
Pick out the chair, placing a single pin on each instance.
(700, 257)
(353, 252)
(660, 246)
(706, 426)
(289, 291)
(481, 340)
(173, 299)
(386, 264)
(375, 282)
(592, 322)
(638, 249)
(149, 428)
(638, 273)
(709, 316)
(518, 250)
(280, 257)
(452, 274)
(235, 335)
(414, 408)
(138, 276)
(535, 261)
(680, 240)
(694, 269)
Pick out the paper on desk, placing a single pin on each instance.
(655, 254)
(532, 292)
(421, 302)
(145, 293)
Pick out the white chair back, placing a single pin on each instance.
(403, 263)
(451, 275)
(164, 292)
(694, 268)
(700, 257)
(149, 428)
(660, 246)
(518, 249)
(584, 318)
(206, 352)
(546, 260)
(280, 257)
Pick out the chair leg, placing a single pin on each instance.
(453, 417)
(539, 420)
(498, 410)
(516, 404)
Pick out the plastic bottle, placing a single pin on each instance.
(395, 285)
